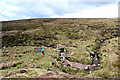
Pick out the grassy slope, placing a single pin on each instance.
(72, 32)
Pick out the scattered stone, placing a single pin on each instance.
(94, 64)
(38, 67)
(4, 46)
(92, 45)
(98, 64)
(58, 59)
(88, 46)
(49, 69)
(24, 52)
(19, 55)
(23, 71)
(68, 64)
(90, 72)
(86, 67)
(53, 63)
(5, 52)
(75, 46)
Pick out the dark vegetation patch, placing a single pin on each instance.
(20, 25)
(47, 36)
(17, 40)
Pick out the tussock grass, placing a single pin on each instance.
(77, 34)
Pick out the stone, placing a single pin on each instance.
(90, 72)
(19, 55)
(68, 64)
(86, 67)
(48, 69)
(98, 64)
(53, 63)
(23, 71)
(94, 64)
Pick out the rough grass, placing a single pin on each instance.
(32, 60)
(35, 61)
(76, 35)
(109, 62)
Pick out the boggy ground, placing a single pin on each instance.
(75, 35)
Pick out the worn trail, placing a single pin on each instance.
(75, 65)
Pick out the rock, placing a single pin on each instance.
(49, 69)
(24, 52)
(68, 64)
(90, 72)
(94, 64)
(53, 63)
(38, 67)
(19, 55)
(23, 71)
(86, 67)
(92, 45)
(4, 46)
(5, 52)
(88, 46)
(58, 59)
(98, 64)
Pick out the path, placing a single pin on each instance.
(75, 65)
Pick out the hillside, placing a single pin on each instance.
(21, 37)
